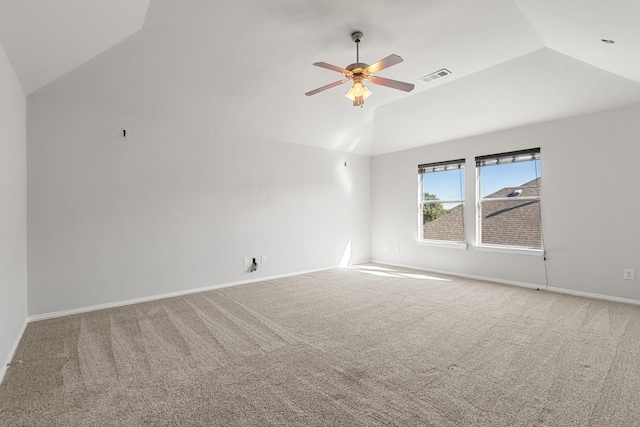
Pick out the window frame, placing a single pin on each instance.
(436, 167)
(507, 158)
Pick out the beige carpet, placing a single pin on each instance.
(365, 346)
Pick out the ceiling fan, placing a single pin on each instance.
(358, 72)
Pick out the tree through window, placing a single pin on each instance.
(442, 201)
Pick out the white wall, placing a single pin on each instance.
(175, 206)
(13, 208)
(590, 207)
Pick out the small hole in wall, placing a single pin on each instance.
(345, 164)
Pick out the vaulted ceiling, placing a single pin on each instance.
(245, 65)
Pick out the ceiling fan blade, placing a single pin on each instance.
(383, 63)
(331, 67)
(407, 87)
(325, 87)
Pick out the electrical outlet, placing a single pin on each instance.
(397, 249)
(629, 274)
(245, 261)
(263, 259)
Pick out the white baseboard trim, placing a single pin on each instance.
(594, 296)
(53, 315)
(79, 310)
(520, 284)
(4, 367)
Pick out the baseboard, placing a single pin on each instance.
(45, 316)
(520, 284)
(594, 296)
(63, 313)
(4, 367)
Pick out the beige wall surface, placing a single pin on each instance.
(590, 205)
(13, 211)
(175, 205)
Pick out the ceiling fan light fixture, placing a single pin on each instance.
(358, 90)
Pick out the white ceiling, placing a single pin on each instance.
(245, 65)
(46, 39)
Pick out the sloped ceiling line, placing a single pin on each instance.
(246, 65)
(47, 39)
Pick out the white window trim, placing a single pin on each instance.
(438, 243)
(509, 249)
(443, 244)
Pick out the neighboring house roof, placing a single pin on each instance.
(449, 227)
(508, 222)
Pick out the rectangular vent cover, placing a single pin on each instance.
(436, 75)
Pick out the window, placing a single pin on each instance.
(442, 201)
(509, 199)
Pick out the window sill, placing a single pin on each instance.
(442, 244)
(509, 250)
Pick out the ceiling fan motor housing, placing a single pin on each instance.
(356, 68)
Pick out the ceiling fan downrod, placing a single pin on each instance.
(357, 37)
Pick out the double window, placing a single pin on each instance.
(507, 200)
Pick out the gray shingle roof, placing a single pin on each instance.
(508, 222)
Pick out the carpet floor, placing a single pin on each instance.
(362, 346)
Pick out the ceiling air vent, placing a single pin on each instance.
(436, 75)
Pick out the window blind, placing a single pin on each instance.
(510, 157)
(441, 166)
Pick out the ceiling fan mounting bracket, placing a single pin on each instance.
(357, 36)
